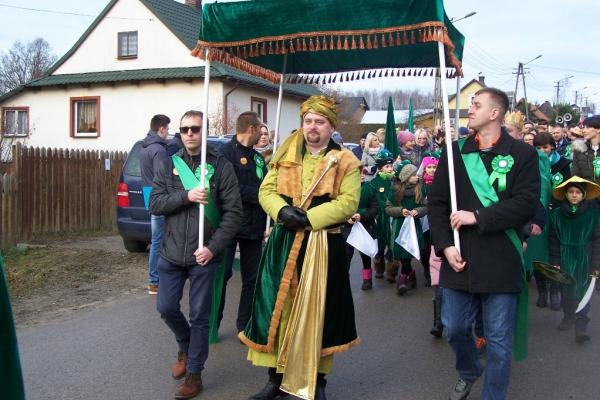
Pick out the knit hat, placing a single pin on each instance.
(427, 161)
(405, 171)
(405, 136)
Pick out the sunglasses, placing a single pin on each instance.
(194, 129)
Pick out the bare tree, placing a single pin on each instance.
(24, 62)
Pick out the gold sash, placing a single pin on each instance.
(301, 349)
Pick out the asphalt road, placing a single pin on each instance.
(124, 351)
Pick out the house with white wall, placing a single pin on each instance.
(133, 62)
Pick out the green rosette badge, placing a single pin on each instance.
(557, 179)
(260, 163)
(210, 171)
(596, 164)
(501, 165)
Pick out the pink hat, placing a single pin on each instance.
(405, 136)
(427, 161)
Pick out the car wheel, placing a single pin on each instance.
(134, 246)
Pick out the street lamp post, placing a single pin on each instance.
(465, 17)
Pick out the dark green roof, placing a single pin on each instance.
(182, 20)
(217, 71)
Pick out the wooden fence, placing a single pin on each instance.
(58, 190)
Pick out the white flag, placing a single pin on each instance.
(425, 223)
(407, 238)
(360, 239)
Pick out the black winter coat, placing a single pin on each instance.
(152, 155)
(169, 198)
(493, 265)
(583, 155)
(253, 225)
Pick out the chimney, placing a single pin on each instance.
(481, 79)
(197, 4)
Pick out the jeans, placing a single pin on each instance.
(459, 310)
(191, 337)
(250, 252)
(157, 225)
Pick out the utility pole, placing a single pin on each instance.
(557, 86)
(514, 102)
(521, 72)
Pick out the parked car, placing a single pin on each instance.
(133, 220)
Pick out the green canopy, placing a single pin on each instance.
(328, 35)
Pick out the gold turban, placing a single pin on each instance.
(515, 119)
(320, 105)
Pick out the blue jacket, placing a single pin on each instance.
(152, 155)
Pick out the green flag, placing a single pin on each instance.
(391, 138)
(11, 380)
(411, 121)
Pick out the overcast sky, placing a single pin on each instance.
(501, 34)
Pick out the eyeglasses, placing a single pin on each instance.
(194, 129)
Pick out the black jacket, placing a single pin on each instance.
(583, 155)
(492, 263)
(242, 159)
(152, 155)
(169, 198)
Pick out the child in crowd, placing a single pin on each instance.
(575, 247)
(407, 201)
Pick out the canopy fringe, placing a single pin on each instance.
(433, 31)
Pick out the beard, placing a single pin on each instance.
(313, 137)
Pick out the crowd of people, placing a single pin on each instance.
(519, 202)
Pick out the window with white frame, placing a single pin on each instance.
(128, 44)
(15, 121)
(259, 106)
(85, 117)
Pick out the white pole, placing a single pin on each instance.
(449, 151)
(457, 105)
(278, 119)
(203, 146)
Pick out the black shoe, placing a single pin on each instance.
(566, 324)
(271, 390)
(320, 391)
(581, 337)
(461, 390)
(367, 284)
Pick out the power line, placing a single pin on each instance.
(567, 69)
(69, 13)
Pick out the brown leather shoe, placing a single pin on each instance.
(179, 368)
(190, 387)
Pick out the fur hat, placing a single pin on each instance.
(405, 136)
(405, 171)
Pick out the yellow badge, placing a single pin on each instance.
(175, 171)
(243, 161)
(382, 189)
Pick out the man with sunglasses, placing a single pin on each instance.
(250, 169)
(176, 194)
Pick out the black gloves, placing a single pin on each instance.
(293, 218)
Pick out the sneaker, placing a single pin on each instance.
(461, 390)
(153, 288)
(367, 284)
(190, 387)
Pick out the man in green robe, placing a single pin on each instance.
(302, 311)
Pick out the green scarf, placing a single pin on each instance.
(191, 180)
(480, 180)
